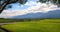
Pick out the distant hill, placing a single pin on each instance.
(50, 14)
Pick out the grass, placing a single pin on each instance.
(6, 20)
(46, 25)
(1, 30)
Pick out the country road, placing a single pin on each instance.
(7, 23)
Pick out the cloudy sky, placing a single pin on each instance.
(30, 7)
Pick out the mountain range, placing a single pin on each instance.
(50, 14)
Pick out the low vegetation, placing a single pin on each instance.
(41, 25)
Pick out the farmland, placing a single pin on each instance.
(39, 25)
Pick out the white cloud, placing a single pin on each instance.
(39, 7)
(31, 3)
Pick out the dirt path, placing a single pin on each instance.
(7, 23)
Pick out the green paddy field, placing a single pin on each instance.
(41, 25)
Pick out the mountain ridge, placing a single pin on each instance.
(50, 14)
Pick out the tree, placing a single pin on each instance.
(4, 3)
(55, 2)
